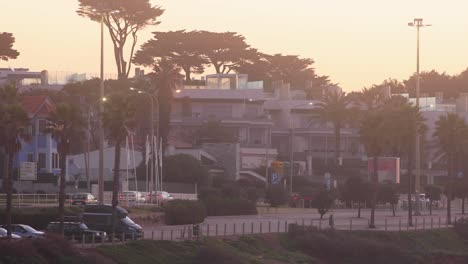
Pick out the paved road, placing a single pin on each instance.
(278, 222)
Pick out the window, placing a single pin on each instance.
(42, 125)
(42, 161)
(55, 161)
(30, 157)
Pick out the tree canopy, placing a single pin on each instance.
(123, 19)
(6, 46)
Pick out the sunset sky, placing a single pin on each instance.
(356, 43)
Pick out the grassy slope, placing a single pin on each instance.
(244, 250)
(303, 247)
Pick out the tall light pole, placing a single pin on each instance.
(418, 23)
(291, 150)
(101, 108)
(101, 112)
(153, 171)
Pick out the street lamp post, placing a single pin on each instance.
(153, 176)
(101, 109)
(291, 150)
(418, 23)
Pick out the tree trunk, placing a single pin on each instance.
(188, 73)
(449, 191)
(410, 189)
(463, 204)
(430, 207)
(8, 191)
(359, 209)
(337, 143)
(393, 209)
(63, 158)
(115, 186)
(374, 191)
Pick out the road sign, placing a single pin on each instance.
(275, 178)
(28, 171)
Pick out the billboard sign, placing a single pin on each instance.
(388, 169)
(28, 171)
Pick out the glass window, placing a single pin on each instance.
(55, 161)
(30, 157)
(41, 161)
(42, 126)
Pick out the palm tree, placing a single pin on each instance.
(370, 98)
(118, 118)
(334, 108)
(403, 122)
(66, 126)
(450, 133)
(14, 122)
(166, 77)
(371, 132)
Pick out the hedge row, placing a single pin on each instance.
(183, 212)
(37, 217)
(222, 207)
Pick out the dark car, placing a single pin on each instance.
(76, 230)
(25, 231)
(100, 217)
(83, 199)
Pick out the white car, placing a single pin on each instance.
(3, 234)
(161, 196)
(132, 196)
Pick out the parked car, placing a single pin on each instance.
(83, 199)
(161, 196)
(132, 196)
(25, 231)
(3, 234)
(99, 217)
(77, 230)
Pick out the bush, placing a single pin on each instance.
(37, 251)
(221, 207)
(461, 227)
(38, 217)
(276, 195)
(216, 255)
(183, 212)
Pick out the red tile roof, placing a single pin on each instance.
(37, 104)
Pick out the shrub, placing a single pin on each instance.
(216, 255)
(38, 217)
(49, 250)
(461, 227)
(276, 195)
(221, 206)
(183, 212)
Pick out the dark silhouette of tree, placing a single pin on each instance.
(179, 47)
(119, 119)
(334, 109)
(356, 190)
(403, 121)
(387, 194)
(371, 131)
(166, 79)
(432, 193)
(450, 133)
(14, 122)
(131, 17)
(225, 50)
(6, 47)
(185, 168)
(432, 82)
(323, 201)
(66, 126)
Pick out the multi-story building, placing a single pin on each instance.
(237, 106)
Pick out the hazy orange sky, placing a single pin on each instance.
(357, 43)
